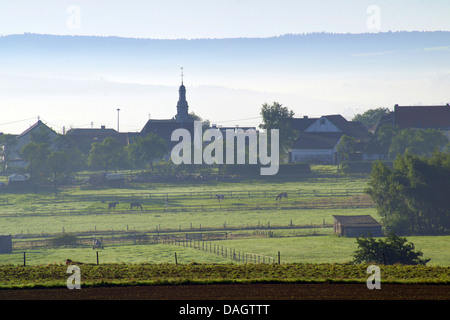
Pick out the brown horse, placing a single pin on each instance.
(135, 204)
(70, 262)
(281, 195)
(112, 205)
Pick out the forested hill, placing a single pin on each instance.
(344, 50)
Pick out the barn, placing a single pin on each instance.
(5, 243)
(357, 226)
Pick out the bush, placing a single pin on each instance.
(392, 250)
(65, 240)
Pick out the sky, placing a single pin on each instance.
(171, 19)
(193, 19)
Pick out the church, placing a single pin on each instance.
(165, 127)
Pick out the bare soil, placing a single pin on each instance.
(241, 292)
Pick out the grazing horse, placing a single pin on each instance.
(70, 262)
(220, 197)
(97, 244)
(135, 204)
(112, 205)
(281, 195)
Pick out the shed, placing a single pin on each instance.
(5, 243)
(357, 226)
(115, 179)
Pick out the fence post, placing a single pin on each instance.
(97, 257)
(278, 257)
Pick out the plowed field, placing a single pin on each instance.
(238, 292)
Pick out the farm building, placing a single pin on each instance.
(318, 138)
(12, 150)
(5, 244)
(357, 226)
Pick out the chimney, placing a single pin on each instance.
(305, 117)
(103, 127)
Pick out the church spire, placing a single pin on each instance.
(182, 106)
(182, 75)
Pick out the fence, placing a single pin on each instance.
(322, 203)
(225, 252)
(183, 195)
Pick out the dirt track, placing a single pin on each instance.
(238, 292)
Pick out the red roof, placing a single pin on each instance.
(437, 117)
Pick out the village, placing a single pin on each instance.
(327, 140)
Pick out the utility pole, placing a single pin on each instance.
(118, 119)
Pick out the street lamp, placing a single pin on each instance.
(118, 119)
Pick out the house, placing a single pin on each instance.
(318, 138)
(356, 226)
(12, 150)
(83, 138)
(416, 117)
(423, 117)
(419, 117)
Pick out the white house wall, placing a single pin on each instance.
(323, 156)
(323, 125)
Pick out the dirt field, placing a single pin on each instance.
(267, 301)
(238, 292)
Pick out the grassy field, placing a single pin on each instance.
(305, 249)
(300, 226)
(154, 274)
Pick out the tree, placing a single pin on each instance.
(50, 162)
(392, 250)
(371, 117)
(36, 154)
(109, 154)
(145, 150)
(412, 198)
(417, 141)
(346, 147)
(59, 166)
(381, 140)
(276, 116)
(6, 141)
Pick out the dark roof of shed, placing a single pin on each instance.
(362, 221)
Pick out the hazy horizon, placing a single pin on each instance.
(82, 80)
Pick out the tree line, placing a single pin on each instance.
(388, 140)
(412, 198)
(53, 161)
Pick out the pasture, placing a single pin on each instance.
(249, 219)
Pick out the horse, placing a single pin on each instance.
(70, 262)
(220, 197)
(112, 205)
(281, 195)
(135, 204)
(97, 244)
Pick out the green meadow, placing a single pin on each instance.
(298, 228)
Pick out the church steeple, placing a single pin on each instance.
(182, 106)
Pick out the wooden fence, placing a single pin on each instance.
(216, 249)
